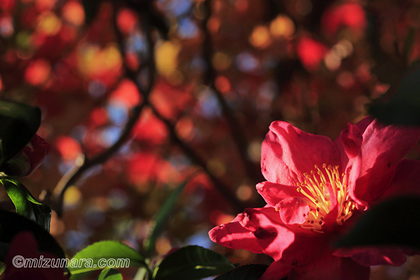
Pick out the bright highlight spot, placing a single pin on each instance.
(48, 24)
(74, 13)
(126, 20)
(282, 26)
(167, 58)
(260, 37)
(72, 197)
(37, 72)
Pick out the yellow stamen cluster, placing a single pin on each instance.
(320, 188)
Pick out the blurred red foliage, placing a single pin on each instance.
(188, 84)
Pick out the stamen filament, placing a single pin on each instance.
(320, 187)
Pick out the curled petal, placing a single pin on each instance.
(348, 144)
(273, 193)
(234, 235)
(258, 230)
(287, 152)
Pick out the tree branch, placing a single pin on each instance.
(209, 78)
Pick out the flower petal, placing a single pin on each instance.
(287, 152)
(329, 267)
(381, 150)
(293, 210)
(407, 174)
(273, 193)
(258, 230)
(348, 143)
(276, 270)
(234, 235)
(369, 256)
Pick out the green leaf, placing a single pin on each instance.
(191, 262)
(395, 222)
(19, 123)
(245, 272)
(403, 104)
(163, 215)
(11, 224)
(110, 274)
(95, 256)
(26, 204)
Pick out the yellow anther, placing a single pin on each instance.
(317, 187)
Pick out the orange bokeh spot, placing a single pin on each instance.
(126, 20)
(37, 72)
(102, 64)
(67, 147)
(74, 13)
(260, 37)
(217, 217)
(311, 53)
(48, 24)
(282, 26)
(222, 84)
(126, 93)
(213, 24)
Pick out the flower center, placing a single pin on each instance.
(324, 188)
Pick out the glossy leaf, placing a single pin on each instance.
(191, 262)
(245, 272)
(26, 204)
(392, 223)
(110, 274)
(105, 250)
(12, 223)
(19, 123)
(162, 217)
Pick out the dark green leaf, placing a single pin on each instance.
(403, 106)
(19, 123)
(163, 215)
(110, 274)
(11, 224)
(245, 272)
(26, 204)
(101, 251)
(191, 262)
(392, 223)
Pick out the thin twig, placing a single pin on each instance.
(220, 186)
(84, 164)
(188, 151)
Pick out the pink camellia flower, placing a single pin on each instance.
(315, 190)
(25, 261)
(29, 159)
